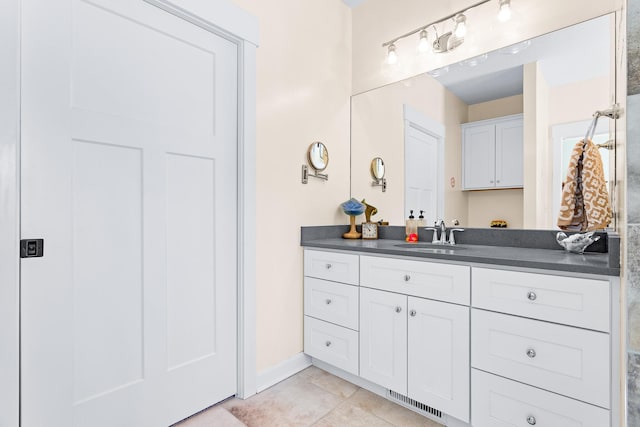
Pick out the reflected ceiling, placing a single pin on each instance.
(493, 76)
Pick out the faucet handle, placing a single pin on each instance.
(452, 239)
(435, 234)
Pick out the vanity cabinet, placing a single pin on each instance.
(487, 346)
(492, 153)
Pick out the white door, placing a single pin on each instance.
(383, 338)
(424, 166)
(438, 335)
(509, 153)
(129, 119)
(478, 156)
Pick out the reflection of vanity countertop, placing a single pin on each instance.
(541, 257)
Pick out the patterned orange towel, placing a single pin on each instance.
(585, 199)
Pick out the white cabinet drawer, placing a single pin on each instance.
(444, 282)
(568, 300)
(333, 302)
(334, 266)
(567, 360)
(498, 402)
(332, 344)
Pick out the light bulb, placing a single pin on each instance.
(461, 26)
(392, 56)
(505, 10)
(423, 44)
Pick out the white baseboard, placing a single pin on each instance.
(282, 371)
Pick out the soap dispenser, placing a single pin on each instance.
(422, 223)
(411, 229)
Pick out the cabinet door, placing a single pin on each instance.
(478, 157)
(438, 371)
(383, 338)
(509, 153)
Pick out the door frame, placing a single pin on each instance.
(222, 18)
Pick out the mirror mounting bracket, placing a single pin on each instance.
(382, 182)
(306, 174)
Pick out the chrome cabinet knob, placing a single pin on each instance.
(328, 301)
(407, 277)
(328, 343)
(398, 309)
(328, 266)
(531, 353)
(531, 420)
(412, 313)
(532, 296)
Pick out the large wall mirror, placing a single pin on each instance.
(553, 83)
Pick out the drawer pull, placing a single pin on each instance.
(328, 266)
(531, 420)
(532, 296)
(328, 301)
(328, 343)
(407, 277)
(531, 353)
(412, 313)
(398, 309)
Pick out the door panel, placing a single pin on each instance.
(439, 356)
(509, 152)
(107, 268)
(383, 338)
(129, 119)
(478, 151)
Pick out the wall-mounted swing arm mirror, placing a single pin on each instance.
(318, 158)
(377, 172)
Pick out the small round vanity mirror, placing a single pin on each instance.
(377, 168)
(318, 156)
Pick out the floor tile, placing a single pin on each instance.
(389, 411)
(215, 416)
(293, 402)
(351, 415)
(331, 383)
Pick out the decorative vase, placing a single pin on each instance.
(353, 208)
(353, 233)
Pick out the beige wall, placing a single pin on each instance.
(378, 21)
(485, 206)
(378, 131)
(303, 88)
(578, 101)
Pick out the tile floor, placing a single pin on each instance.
(312, 397)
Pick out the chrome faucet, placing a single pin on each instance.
(443, 231)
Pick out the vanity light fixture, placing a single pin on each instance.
(423, 44)
(460, 29)
(392, 56)
(449, 40)
(504, 13)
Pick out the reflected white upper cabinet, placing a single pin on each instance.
(492, 153)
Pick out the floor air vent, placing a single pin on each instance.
(408, 402)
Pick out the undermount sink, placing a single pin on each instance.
(429, 246)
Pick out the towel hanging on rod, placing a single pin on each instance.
(585, 202)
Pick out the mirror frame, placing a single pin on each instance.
(323, 154)
(376, 164)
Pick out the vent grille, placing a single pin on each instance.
(408, 402)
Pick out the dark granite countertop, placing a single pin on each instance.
(525, 257)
